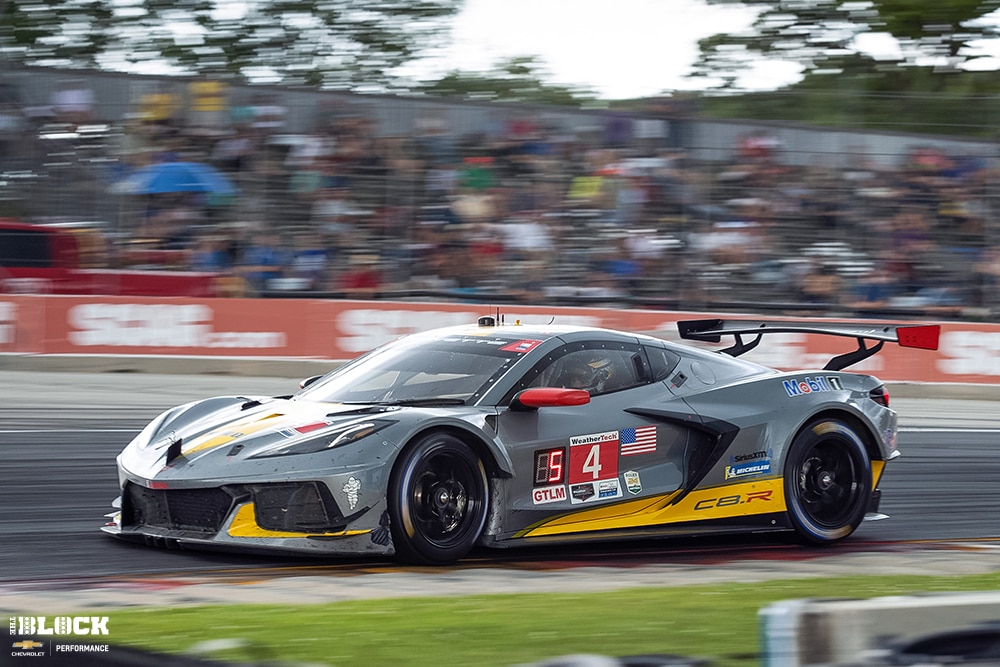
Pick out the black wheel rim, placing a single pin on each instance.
(445, 499)
(830, 483)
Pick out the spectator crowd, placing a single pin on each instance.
(522, 211)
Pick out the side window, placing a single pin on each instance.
(661, 362)
(599, 368)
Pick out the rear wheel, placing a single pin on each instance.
(438, 500)
(828, 481)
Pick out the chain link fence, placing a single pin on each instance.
(348, 195)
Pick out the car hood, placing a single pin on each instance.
(234, 429)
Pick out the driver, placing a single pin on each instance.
(590, 374)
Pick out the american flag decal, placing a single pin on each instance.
(640, 440)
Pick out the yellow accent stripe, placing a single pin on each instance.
(245, 525)
(746, 499)
(232, 432)
(878, 467)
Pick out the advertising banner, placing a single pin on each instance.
(339, 330)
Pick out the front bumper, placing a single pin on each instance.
(300, 517)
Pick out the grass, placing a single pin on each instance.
(717, 622)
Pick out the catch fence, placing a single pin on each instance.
(655, 207)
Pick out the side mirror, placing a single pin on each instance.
(548, 397)
(308, 381)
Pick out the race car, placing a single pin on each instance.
(506, 435)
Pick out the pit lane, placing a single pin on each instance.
(60, 433)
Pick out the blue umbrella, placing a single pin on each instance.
(166, 177)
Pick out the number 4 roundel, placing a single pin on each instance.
(593, 461)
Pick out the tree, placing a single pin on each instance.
(822, 36)
(517, 79)
(337, 44)
(938, 30)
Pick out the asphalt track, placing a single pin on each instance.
(60, 432)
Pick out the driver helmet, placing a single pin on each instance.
(591, 375)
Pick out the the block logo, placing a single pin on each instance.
(37, 626)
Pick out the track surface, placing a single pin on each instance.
(59, 434)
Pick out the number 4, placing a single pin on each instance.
(593, 462)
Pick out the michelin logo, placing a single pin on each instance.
(748, 469)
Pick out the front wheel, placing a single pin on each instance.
(828, 481)
(438, 498)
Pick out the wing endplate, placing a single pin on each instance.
(924, 337)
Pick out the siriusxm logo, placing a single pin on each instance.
(810, 385)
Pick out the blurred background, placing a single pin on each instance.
(831, 158)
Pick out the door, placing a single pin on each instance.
(599, 456)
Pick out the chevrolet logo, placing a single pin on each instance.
(28, 644)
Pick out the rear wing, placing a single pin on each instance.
(923, 336)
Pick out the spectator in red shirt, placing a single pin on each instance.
(363, 277)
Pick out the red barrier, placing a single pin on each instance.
(338, 330)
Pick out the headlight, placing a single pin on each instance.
(337, 436)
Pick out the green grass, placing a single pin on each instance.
(717, 622)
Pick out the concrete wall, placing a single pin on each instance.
(802, 633)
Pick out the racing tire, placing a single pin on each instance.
(828, 481)
(438, 500)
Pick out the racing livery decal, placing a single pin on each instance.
(745, 465)
(548, 494)
(747, 469)
(640, 440)
(593, 457)
(609, 488)
(522, 346)
(632, 482)
(733, 500)
(582, 492)
(809, 385)
(351, 488)
(593, 491)
(305, 428)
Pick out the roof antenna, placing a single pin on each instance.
(489, 320)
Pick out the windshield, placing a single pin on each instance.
(414, 371)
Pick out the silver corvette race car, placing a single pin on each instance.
(501, 435)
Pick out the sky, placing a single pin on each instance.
(623, 48)
(620, 48)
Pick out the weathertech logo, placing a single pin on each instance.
(60, 625)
